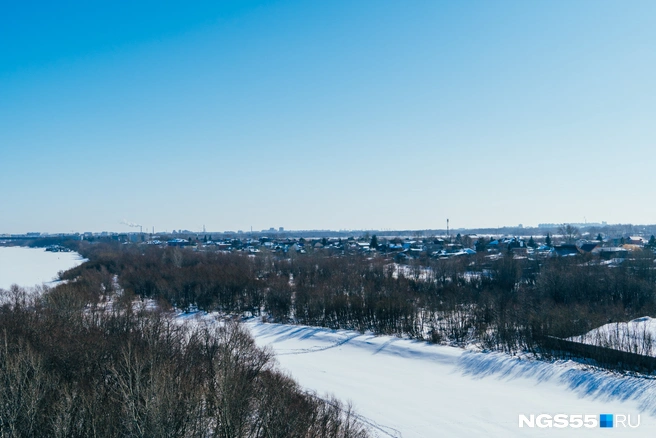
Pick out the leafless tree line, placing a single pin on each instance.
(505, 303)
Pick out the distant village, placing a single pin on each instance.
(610, 244)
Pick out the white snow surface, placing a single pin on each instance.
(28, 267)
(636, 336)
(405, 388)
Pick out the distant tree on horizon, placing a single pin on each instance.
(374, 242)
(569, 232)
(652, 242)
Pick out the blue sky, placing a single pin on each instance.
(340, 115)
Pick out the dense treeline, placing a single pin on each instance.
(505, 303)
(74, 366)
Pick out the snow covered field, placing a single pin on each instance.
(408, 389)
(29, 267)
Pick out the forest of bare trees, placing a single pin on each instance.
(506, 303)
(71, 367)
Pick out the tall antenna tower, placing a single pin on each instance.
(447, 227)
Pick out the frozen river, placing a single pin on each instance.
(409, 389)
(29, 267)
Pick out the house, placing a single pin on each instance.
(635, 240)
(608, 253)
(400, 257)
(566, 250)
(587, 247)
(364, 246)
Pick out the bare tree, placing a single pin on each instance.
(22, 390)
(569, 232)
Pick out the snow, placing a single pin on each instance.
(636, 336)
(405, 388)
(29, 267)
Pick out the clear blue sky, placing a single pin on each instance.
(335, 114)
